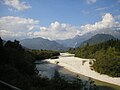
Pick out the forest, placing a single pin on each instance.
(107, 55)
(44, 54)
(17, 68)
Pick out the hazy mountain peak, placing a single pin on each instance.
(97, 39)
(40, 43)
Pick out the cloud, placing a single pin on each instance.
(107, 21)
(118, 1)
(58, 30)
(16, 5)
(85, 12)
(91, 1)
(16, 26)
(19, 28)
(117, 17)
(101, 8)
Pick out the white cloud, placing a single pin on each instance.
(17, 27)
(57, 30)
(11, 35)
(101, 8)
(16, 5)
(108, 21)
(117, 17)
(91, 1)
(85, 12)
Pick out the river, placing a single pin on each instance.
(47, 69)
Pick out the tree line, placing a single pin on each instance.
(44, 54)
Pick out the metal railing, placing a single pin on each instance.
(8, 86)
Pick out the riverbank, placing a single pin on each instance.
(76, 65)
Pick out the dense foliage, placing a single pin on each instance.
(72, 50)
(44, 54)
(17, 68)
(16, 65)
(107, 55)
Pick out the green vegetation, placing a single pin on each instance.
(72, 50)
(44, 54)
(17, 68)
(107, 55)
(54, 57)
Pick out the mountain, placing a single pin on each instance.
(97, 39)
(74, 41)
(115, 33)
(40, 43)
(77, 40)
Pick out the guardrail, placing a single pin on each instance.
(8, 86)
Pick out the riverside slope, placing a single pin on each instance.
(76, 65)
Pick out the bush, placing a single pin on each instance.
(54, 57)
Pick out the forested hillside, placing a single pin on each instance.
(107, 55)
(98, 38)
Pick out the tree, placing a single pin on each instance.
(1, 43)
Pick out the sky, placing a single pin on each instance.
(56, 19)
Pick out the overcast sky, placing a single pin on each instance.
(56, 19)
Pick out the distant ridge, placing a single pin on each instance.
(40, 43)
(98, 38)
(79, 39)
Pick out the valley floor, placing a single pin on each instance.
(82, 66)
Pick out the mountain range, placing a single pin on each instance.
(41, 43)
(77, 41)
